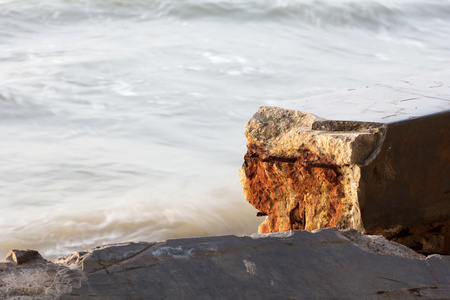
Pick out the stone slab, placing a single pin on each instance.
(325, 264)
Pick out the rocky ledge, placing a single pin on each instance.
(379, 163)
(324, 264)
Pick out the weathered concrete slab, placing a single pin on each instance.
(328, 264)
(391, 102)
(379, 164)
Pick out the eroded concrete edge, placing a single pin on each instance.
(303, 172)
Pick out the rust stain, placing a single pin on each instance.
(295, 192)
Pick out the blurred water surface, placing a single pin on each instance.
(123, 120)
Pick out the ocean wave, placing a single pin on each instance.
(321, 13)
(59, 233)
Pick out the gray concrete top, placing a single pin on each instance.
(391, 102)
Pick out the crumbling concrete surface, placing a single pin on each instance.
(368, 173)
(324, 264)
(25, 274)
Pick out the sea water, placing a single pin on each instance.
(123, 120)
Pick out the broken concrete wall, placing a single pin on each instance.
(389, 178)
(304, 178)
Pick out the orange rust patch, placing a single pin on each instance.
(295, 192)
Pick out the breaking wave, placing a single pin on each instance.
(322, 13)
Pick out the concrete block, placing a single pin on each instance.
(376, 159)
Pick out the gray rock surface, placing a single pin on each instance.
(25, 274)
(325, 264)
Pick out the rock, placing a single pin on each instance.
(379, 164)
(325, 264)
(19, 257)
(25, 274)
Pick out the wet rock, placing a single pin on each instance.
(325, 264)
(380, 165)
